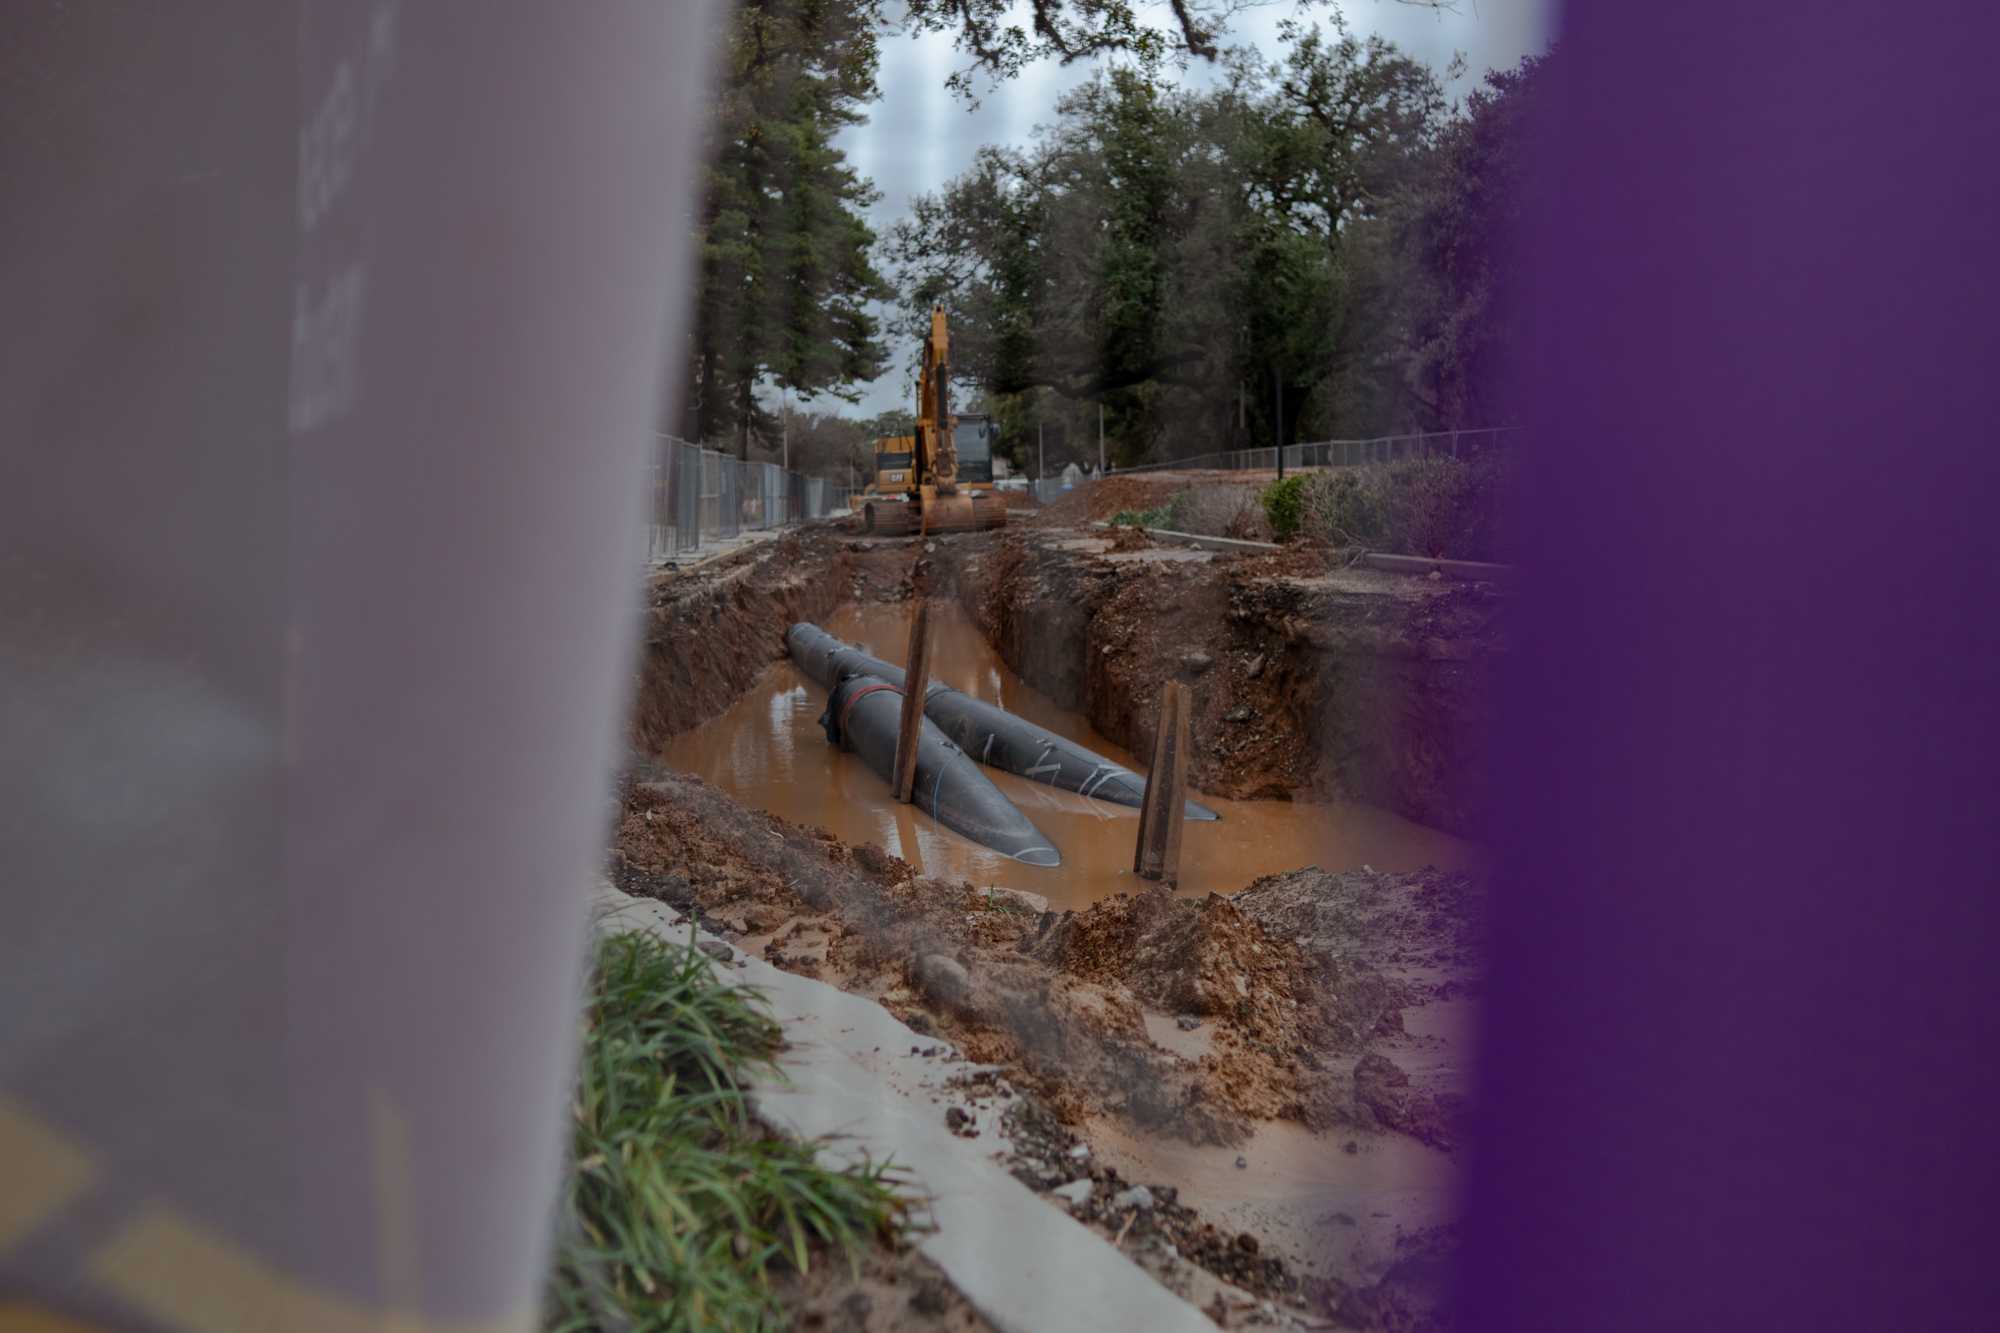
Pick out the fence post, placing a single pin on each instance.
(916, 680)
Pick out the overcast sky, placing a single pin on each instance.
(920, 135)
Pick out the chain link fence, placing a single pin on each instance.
(1343, 453)
(700, 496)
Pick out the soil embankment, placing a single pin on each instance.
(709, 631)
(1309, 679)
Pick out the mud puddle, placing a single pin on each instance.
(768, 751)
(1323, 1210)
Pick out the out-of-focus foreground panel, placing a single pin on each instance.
(332, 334)
(1737, 1070)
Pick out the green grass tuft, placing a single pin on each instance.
(1157, 517)
(678, 1205)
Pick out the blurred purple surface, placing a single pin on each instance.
(1738, 1068)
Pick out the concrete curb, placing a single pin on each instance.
(1454, 569)
(1392, 564)
(849, 1082)
(1205, 543)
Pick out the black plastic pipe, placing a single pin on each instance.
(864, 713)
(989, 734)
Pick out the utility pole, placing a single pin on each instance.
(1100, 437)
(1278, 418)
(785, 424)
(1041, 464)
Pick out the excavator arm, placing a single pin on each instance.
(934, 502)
(937, 454)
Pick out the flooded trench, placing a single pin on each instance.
(768, 751)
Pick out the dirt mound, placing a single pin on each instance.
(1380, 947)
(1106, 498)
(1204, 960)
(1185, 956)
(940, 955)
(1423, 923)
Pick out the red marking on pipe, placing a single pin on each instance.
(856, 698)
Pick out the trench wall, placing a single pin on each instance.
(1362, 685)
(708, 633)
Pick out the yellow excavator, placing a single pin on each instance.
(916, 486)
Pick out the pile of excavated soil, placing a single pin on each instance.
(968, 966)
(1379, 946)
(1426, 924)
(1096, 501)
(1203, 959)
(1295, 985)
(944, 954)
(1107, 498)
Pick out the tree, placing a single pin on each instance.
(784, 274)
(1184, 259)
(1462, 228)
(991, 31)
(826, 444)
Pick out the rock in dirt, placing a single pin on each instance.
(1075, 1194)
(1003, 898)
(1196, 662)
(1379, 1085)
(976, 1076)
(943, 980)
(717, 950)
(1136, 1197)
(932, 1298)
(1187, 1022)
(1240, 713)
(1256, 667)
(1382, 1090)
(955, 1119)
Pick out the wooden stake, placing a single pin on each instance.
(1163, 809)
(916, 679)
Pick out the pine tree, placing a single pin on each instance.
(784, 275)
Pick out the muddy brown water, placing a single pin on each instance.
(767, 751)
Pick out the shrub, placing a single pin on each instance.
(1156, 517)
(1221, 510)
(1283, 505)
(1343, 508)
(1426, 506)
